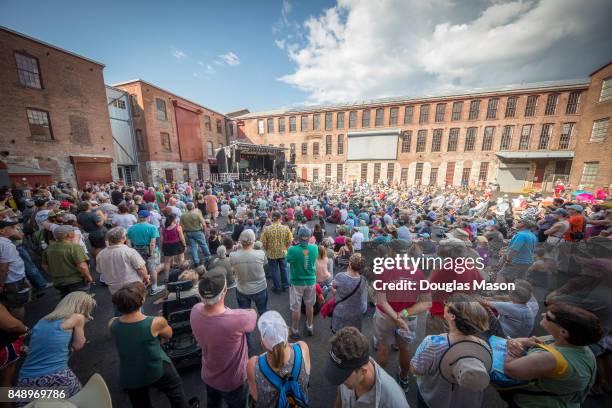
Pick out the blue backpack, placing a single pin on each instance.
(290, 392)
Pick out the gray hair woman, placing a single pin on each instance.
(248, 264)
(221, 263)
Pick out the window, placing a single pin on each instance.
(572, 102)
(424, 114)
(118, 103)
(551, 104)
(219, 127)
(530, 108)
(525, 137)
(315, 174)
(315, 149)
(440, 110)
(511, 106)
(600, 130)
(492, 108)
(316, 122)
(465, 176)
(140, 144)
(418, 174)
(408, 113)
(292, 124)
(450, 173)
(161, 109)
(340, 120)
(28, 70)
(390, 171)
(365, 119)
(474, 110)
(40, 126)
(545, 136)
(281, 125)
(436, 141)
(328, 144)
(270, 125)
(487, 140)
(376, 172)
(208, 126)
(406, 141)
(304, 123)
(566, 135)
(470, 139)
(483, 172)
(79, 129)
(433, 176)
(364, 172)
(393, 113)
(404, 175)
(328, 171)
(165, 141)
(328, 121)
(453, 139)
(339, 173)
(352, 119)
(292, 152)
(606, 90)
(380, 116)
(589, 173)
(340, 144)
(457, 107)
(134, 105)
(421, 141)
(230, 129)
(506, 139)
(304, 149)
(260, 125)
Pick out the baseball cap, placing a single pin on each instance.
(4, 223)
(575, 207)
(272, 328)
(143, 214)
(304, 234)
(561, 211)
(60, 232)
(211, 285)
(337, 370)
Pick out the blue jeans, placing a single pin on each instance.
(31, 270)
(278, 271)
(260, 299)
(197, 239)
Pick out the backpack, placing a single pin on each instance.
(290, 393)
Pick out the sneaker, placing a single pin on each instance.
(310, 330)
(157, 291)
(295, 335)
(276, 290)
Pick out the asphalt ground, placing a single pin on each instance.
(100, 356)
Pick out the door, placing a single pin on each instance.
(450, 173)
(304, 173)
(169, 175)
(512, 179)
(538, 177)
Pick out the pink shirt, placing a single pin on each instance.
(224, 346)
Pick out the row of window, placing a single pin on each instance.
(268, 125)
(167, 146)
(162, 115)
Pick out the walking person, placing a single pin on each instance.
(173, 243)
(221, 334)
(142, 361)
(302, 258)
(193, 225)
(283, 365)
(276, 239)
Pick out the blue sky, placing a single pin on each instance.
(280, 53)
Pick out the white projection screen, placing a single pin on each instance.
(374, 145)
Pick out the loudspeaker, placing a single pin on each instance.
(222, 161)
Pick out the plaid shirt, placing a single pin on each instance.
(276, 239)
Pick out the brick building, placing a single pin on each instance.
(54, 116)
(176, 138)
(524, 137)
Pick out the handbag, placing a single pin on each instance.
(328, 308)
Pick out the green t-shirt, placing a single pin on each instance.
(62, 259)
(160, 197)
(142, 233)
(303, 260)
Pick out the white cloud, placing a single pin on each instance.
(178, 54)
(362, 49)
(230, 59)
(210, 69)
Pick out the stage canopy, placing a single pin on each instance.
(248, 148)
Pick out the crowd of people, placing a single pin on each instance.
(314, 244)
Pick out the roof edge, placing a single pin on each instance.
(55, 47)
(600, 68)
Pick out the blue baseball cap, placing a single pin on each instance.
(143, 214)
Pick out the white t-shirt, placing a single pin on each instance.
(357, 240)
(124, 220)
(10, 255)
